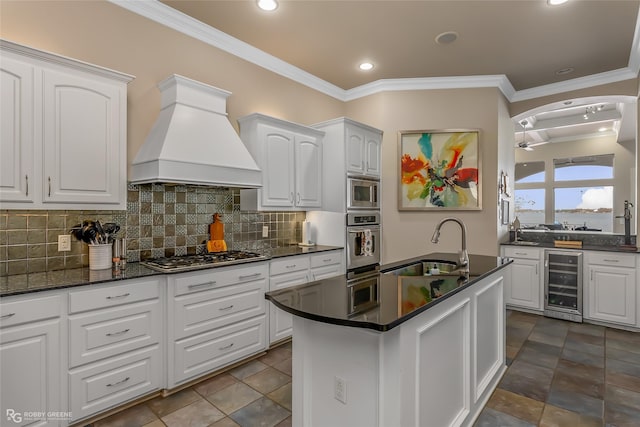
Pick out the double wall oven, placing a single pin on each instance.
(363, 259)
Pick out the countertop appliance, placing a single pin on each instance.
(563, 285)
(180, 263)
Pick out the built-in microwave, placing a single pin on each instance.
(363, 193)
(362, 293)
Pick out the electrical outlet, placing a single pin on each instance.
(340, 389)
(265, 231)
(64, 243)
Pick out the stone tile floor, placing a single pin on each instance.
(560, 374)
(566, 374)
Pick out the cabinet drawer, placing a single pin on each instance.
(289, 264)
(326, 258)
(29, 310)
(612, 259)
(218, 277)
(114, 381)
(110, 296)
(207, 352)
(519, 252)
(94, 336)
(203, 311)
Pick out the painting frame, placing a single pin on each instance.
(439, 170)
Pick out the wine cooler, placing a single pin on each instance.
(563, 285)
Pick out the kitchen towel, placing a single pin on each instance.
(366, 243)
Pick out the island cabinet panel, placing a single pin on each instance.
(435, 369)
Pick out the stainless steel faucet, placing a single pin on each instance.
(463, 255)
(627, 222)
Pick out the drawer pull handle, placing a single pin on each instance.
(201, 285)
(6, 316)
(226, 347)
(290, 266)
(49, 186)
(119, 296)
(26, 178)
(326, 260)
(115, 334)
(248, 276)
(520, 253)
(226, 308)
(119, 382)
(611, 260)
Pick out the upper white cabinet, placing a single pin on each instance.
(64, 139)
(363, 150)
(290, 156)
(350, 148)
(611, 287)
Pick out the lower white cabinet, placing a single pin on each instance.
(298, 270)
(216, 317)
(30, 360)
(612, 288)
(524, 285)
(115, 344)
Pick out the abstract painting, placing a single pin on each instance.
(439, 170)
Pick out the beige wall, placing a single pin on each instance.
(104, 34)
(405, 233)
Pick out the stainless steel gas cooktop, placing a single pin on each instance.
(195, 262)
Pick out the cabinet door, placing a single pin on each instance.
(612, 294)
(277, 168)
(523, 289)
(30, 366)
(308, 172)
(17, 180)
(372, 154)
(281, 322)
(355, 151)
(83, 161)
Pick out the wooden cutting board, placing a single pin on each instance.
(574, 244)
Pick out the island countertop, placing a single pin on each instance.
(400, 297)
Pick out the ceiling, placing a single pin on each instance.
(527, 41)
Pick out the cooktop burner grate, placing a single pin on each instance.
(195, 262)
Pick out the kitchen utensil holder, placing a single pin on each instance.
(100, 257)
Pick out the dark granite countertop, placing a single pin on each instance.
(585, 247)
(400, 297)
(293, 250)
(58, 279)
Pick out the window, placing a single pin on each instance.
(579, 196)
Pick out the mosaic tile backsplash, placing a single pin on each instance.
(160, 220)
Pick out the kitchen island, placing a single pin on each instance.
(429, 354)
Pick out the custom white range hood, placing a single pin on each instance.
(193, 142)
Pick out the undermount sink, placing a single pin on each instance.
(424, 268)
(523, 243)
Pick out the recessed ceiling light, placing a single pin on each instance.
(563, 71)
(556, 2)
(268, 5)
(446, 37)
(366, 66)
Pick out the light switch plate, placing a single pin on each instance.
(64, 243)
(265, 231)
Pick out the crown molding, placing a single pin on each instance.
(169, 17)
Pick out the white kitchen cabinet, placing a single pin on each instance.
(612, 287)
(64, 137)
(350, 148)
(363, 151)
(115, 344)
(293, 271)
(216, 317)
(30, 359)
(290, 156)
(523, 287)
